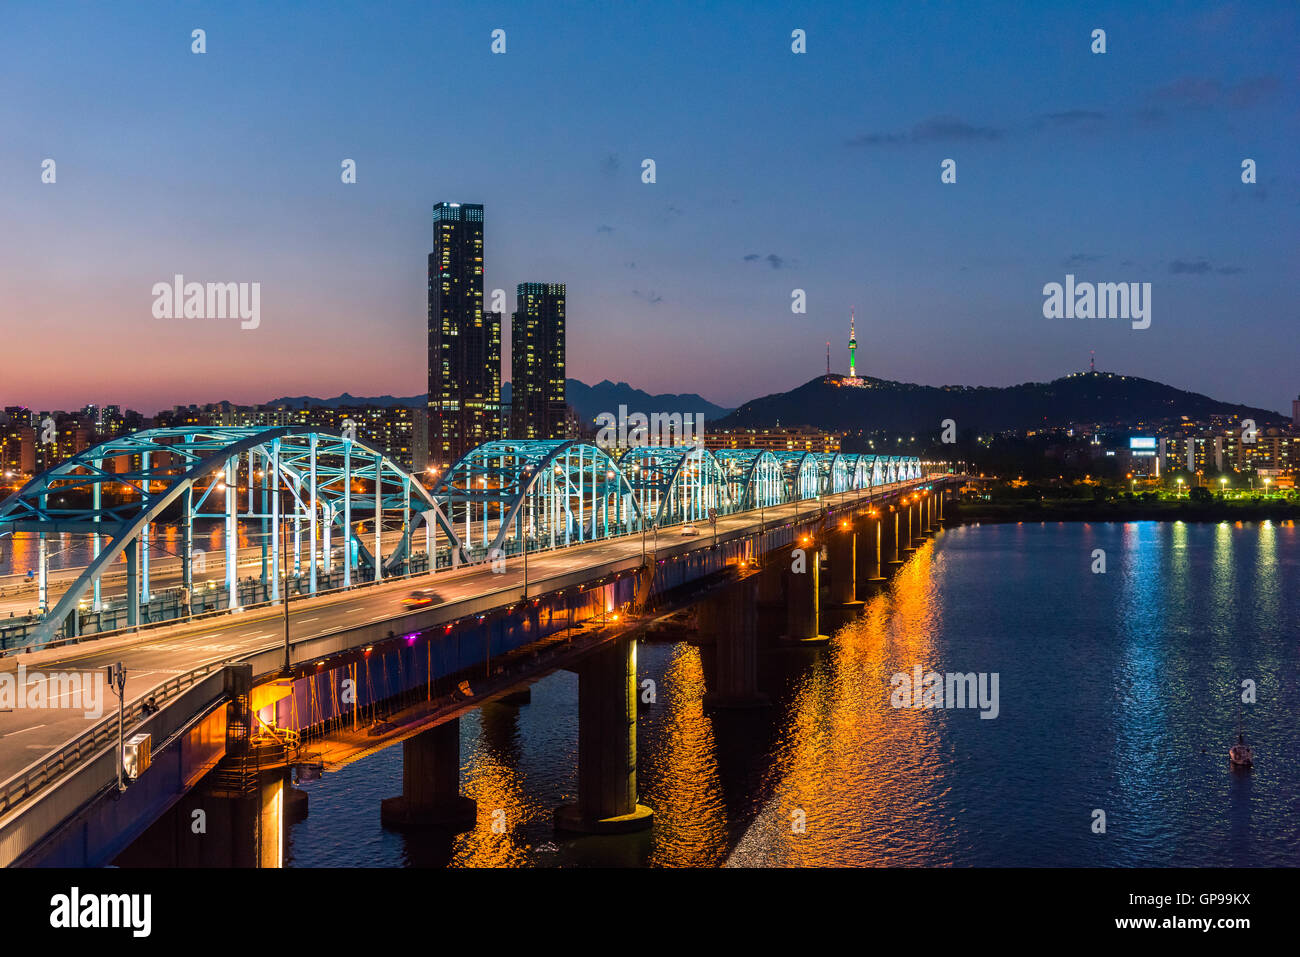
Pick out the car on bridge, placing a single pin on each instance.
(690, 530)
(422, 598)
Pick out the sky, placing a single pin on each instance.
(774, 171)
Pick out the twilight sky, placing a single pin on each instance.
(775, 171)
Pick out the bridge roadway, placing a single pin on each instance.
(18, 593)
(153, 657)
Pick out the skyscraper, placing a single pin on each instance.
(537, 361)
(464, 342)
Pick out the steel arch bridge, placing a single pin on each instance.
(547, 493)
(300, 492)
(315, 482)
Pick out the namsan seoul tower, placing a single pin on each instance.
(853, 346)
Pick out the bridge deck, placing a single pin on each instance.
(27, 735)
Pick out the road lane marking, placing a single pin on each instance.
(21, 730)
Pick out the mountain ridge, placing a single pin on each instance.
(1079, 398)
(588, 400)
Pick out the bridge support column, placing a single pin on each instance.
(607, 795)
(731, 617)
(893, 521)
(431, 784)
(841, 544)
(770, 586)
(907, 523)
(802, 602)
(869, 543)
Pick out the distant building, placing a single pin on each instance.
(464, 405)
(799, 438)
(1275, 450)
(17, 451)
(1295, 412)
(537, 346)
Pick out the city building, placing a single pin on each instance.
(537, 340)
(796, 439)
(17, 451)
(464, 404)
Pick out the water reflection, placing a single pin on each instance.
(1118, 693)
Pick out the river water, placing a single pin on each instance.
(1117, 694)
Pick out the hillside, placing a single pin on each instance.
(1084, 397)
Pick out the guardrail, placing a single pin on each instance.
(37, 775)
(214, 613)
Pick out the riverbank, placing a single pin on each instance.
(1091, 511)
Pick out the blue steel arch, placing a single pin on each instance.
(181, 459)
(754, 477)
(676, 482)
(802, 474)
(874, 466)
(547, 492)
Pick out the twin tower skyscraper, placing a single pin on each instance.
(465, 408)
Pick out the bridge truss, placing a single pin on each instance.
(293, 492)
(322, 510)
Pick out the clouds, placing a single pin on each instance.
(1159, 104)
(936, 129)
(1201, 267)
(772, 259)
(652, 298)
(1206, 93)
(1081, 259)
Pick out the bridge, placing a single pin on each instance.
(542, 554)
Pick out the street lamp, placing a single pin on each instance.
(117, 682)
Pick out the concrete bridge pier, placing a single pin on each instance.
(929, 513)
(731, 616)
(912, 538)
(431, 795)
(841, 546)
(802, 601)
(869, 543)
(229, 820)
(770, 585)
(607, 795)
(893, 523)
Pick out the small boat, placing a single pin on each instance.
(1240, 755)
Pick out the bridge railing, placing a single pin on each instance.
(17, 788)
(219, 612)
